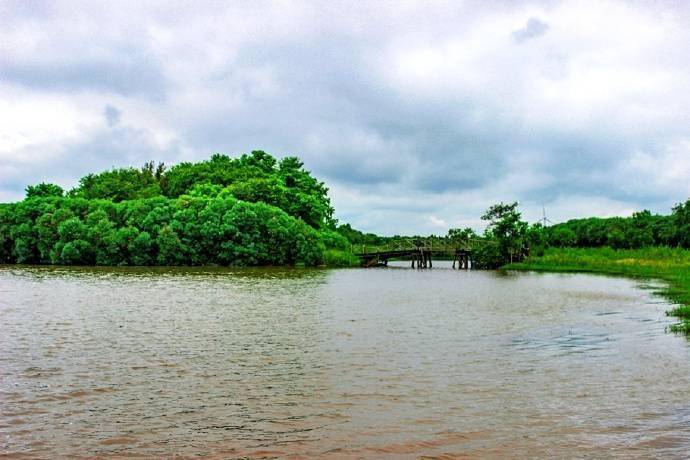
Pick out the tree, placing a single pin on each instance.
(120, 184)
(461, 236)
(43, 190)
(142, 249)
(681, 221)
(170, 249)
(507, 230)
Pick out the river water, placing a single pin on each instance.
(344, 363)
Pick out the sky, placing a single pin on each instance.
(418, 115)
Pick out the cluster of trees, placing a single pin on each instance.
(252, 210)
(507, 238)
(255, 177)
(642, 229)
(189, 230)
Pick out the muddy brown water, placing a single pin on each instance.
(353, 363)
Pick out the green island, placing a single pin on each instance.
(256, 210)
(250, 210)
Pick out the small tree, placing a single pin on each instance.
(507, 230)
(460, 236)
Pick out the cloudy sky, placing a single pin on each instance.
(417, 114)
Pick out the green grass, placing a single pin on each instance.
(668, 264)
(336, 258)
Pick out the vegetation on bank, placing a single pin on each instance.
(642, 229)
(250, 210)
(671, 265)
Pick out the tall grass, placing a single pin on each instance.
(669, 264)
(337, 258)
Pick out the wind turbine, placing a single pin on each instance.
(544, 220)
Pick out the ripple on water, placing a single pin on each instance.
(340, 363)
(573, 341)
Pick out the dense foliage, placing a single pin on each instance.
(155, 231)
(255, 177)
(252, 210)
(641, 230)
(508, 239)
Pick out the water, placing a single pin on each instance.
(343, 363)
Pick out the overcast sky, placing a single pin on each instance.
(418, 115)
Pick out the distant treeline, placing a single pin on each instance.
(643, 229)
(251, 210)
(508, 238)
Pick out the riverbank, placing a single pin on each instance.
(668, 264)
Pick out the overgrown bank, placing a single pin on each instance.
(671, 265)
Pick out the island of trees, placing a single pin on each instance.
(250, 210)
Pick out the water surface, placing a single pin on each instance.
(343, 363)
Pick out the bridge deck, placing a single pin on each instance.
(421, 256)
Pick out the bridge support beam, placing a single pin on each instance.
(463, 258)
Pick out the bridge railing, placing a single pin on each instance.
(418, 244)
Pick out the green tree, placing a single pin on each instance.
(507, 230)
(171, 251)
(681, 221)
(461, 236)
(120, 184)
(72, 247)
(44, 190)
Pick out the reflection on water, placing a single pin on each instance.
(356, 363)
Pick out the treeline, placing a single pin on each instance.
(642, 229)
(251, 210)
(508, 238)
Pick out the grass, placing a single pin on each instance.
(336, 258)
(668, 264)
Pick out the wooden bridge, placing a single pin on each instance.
(420, 253)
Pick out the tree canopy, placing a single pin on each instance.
(255, 177)
(250, 210)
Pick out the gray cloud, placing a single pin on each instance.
(429, 119)
(112, 115)
(123, 73)
(533, 29)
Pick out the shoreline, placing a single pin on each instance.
(670, 265)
